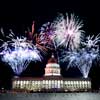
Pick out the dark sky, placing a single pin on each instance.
(19, 14)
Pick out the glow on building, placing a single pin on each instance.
(52, 81)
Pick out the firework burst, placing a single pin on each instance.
(91, 41)
(83, 58)
(72, 58)
(68, 31)
(89, 54)
(86, 59)
(19, 52)
(46, 35)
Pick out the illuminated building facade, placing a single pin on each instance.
(52, 81)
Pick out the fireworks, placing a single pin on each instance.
(83, 58)
(45, 37)
(91, 41)
(62, 32)
(89, 54)
(72, 58)
(18, 53)
(20, 58)
(86, 59)
(68, 31)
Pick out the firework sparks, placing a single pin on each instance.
(20, 58)
(86, 60)
(68, 31)
(72, 58)
(45, 36)
(18, 53)
(89, 54)
(65, 31)
(91, 41)
(83, 58)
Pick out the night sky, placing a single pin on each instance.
(18, 15)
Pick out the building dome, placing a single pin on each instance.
(52, 67)
(52, 59)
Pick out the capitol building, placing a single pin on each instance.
(52, 81)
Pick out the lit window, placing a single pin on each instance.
(21, 82)
(46, 82)
(27, 82)
(88, 82)
(58, 83)
(65, 82)
(68, 82)
(77, 82)
(85, 82)
(80, 82)
(49, 81)
(53, 82)
(74, 82)
(71, 82)
(24, 82)
(61, 82)
(18, 82)
(32, 82)
(39, 82)
(43, 81)
(36, 82)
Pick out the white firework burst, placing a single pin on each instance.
(68, 31)
(18, 53)
(92, 41)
